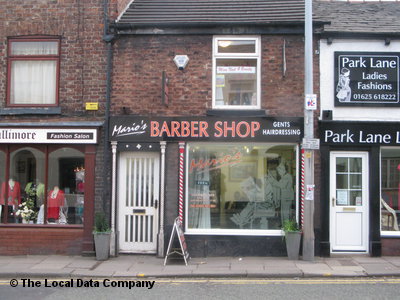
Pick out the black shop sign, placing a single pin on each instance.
(359, 133)
(366, 79)
(145, 129)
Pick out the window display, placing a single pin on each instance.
(390, 189)
(2, 179)
(10, 197)
(40, 190)
(240, 186)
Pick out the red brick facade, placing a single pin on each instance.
(140, 60)
(28, 240)
(79, 25)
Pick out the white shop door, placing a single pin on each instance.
(349, 202)
(138, 196)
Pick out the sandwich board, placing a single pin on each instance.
(182, 251)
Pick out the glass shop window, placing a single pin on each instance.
(27, 198)
(390, 190)
(66, 186)
(233, 187)
(22, 194)
(2, 180)
(236, 72)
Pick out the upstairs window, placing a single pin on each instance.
(236, 76)
(33, 68)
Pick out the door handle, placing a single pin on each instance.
(333, 201)
(156, 204)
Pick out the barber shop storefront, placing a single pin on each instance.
(232, 181)
(47, 189)
(360, 200)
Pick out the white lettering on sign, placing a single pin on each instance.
(382, 63)
(375, 138)
(374, 62)
(347, 137)
(362, 137)
(354, 62)
(134, 129)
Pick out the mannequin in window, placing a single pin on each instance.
(11, 191)
(35, 191)
(55, 200)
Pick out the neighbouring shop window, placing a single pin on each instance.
(236, 72)
(33, 71)
(44, 185)
(234, 186)
(66, 186)
(2, 179)
(390, 190)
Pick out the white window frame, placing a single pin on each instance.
(385, 232)
(238, 232)
(256, 55)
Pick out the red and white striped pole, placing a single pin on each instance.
(181, 181)
(302, 190)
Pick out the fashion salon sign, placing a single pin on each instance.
(367, 79)
(129, 129)
(359, 133)
(48, 136)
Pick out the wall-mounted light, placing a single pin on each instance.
(387, 41)
(181, 61)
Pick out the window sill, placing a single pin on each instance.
(20, 225)
(390, 234)
(30, 111)
(235, 232)
(238, 112)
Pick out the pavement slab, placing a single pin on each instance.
(151, 266)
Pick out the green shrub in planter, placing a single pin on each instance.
(292, 238)
(101, 223)
(101, 234)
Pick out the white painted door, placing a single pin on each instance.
(138, 195)
(349, 202)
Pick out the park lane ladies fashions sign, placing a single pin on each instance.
(136, 128)
(366, 79)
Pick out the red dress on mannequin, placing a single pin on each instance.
(14, 194)
(55, 200)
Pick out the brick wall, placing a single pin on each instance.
(140, 60)
(79, 24)
(24, 241)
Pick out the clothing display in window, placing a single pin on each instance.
(35, 191)
(11, 191)
(55, 200)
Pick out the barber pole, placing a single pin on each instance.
(302, 190)
(181, 168)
